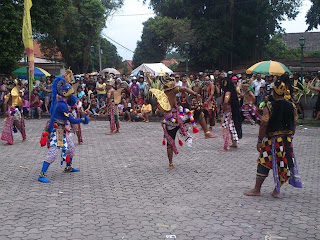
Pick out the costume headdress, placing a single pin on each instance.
(68, 76)
(167, 81)
(280, 88)
(62, 88)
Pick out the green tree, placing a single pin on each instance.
(160, 35)
(11, 47)
(109, 56)
(73, 26)
(313, 15)
(277, 48)
(228, 32)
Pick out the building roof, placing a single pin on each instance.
(169, 62)
(312, 40)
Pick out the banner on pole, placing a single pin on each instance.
(28, 41)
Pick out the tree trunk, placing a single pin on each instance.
(86, 50)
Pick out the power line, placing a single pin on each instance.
(117, 43)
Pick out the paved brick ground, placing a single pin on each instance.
(126, 191)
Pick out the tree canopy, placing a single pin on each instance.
(226, 32)
(68, 26)
(11, 47)
(160, 35)
(313, 15)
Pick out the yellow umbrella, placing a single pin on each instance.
(268, 67)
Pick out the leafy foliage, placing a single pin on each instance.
(227, 32)
(11, 47)
(277, 48)
(313, 15)
(73, 26)
(160, 35)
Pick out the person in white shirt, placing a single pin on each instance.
(257, 84)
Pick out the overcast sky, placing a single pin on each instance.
(127, 30)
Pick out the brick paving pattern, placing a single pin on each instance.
(126, 191)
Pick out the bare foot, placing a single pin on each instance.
(275, 194)
(171, 166)
(224, 150)
(209, 135)
(252, 193)
(109, 133)
(117, 131)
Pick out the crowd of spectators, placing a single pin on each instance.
(137, 104)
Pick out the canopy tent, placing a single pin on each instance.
(153, 68)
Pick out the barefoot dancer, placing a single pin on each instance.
(174, 116)
(231, 120)
(112, 108)
(275, 143)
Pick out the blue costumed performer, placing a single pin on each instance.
(55, 135)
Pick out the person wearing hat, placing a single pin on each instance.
(175, 117)
(274, 144)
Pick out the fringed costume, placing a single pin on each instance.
(14, 120)
(275, 143)
(56, 134)
(175, 117)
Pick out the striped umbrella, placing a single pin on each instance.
(23, 73)
(268, 67)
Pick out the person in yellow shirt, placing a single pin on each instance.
(146, 109)
(101, 89)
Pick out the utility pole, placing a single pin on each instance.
(100, 52)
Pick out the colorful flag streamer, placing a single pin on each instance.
(28, 41)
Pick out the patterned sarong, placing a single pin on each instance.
(277, 154)
(228, 127)
(16, 120)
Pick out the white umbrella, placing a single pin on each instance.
(109, 70)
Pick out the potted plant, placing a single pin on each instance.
(305, 96)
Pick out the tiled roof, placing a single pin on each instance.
(312, 40)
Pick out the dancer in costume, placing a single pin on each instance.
(209, 103)
(175, 117)
(275, 143)
(76, 128)
(56, 133)
(112, 108)
(14, 120)
(248, 109)
(231, 118)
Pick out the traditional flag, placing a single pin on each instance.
(28, 41)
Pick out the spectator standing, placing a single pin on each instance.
(134, 88)
(101, 89)
(47, 94)
(257, 84)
